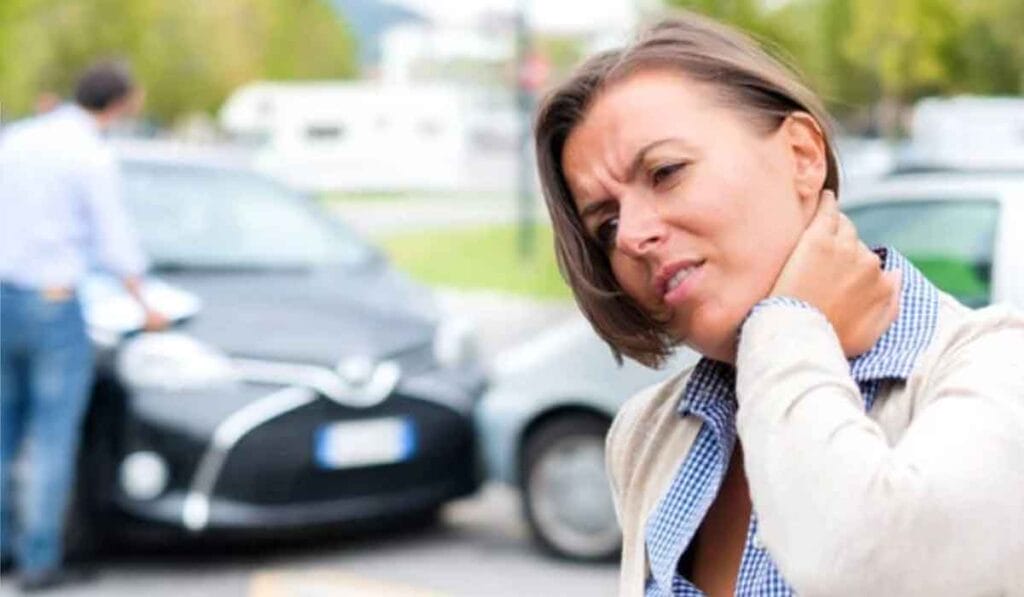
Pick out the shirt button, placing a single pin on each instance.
(757, 541)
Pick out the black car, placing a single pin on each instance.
(315, 385)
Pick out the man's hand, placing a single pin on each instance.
(831, 269)
(155, 321)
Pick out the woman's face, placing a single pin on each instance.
(697, 208)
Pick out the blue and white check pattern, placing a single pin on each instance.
(710, 396)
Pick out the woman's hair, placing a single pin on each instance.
(746, 78)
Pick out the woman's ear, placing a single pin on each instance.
(806, 142)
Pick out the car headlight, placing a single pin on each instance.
(173, 361)
(455, 342)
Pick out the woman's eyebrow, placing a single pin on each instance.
(592, 208)
(638, 159)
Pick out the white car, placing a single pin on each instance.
(543, 421)
(958, 228)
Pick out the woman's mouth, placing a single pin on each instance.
(678, 281)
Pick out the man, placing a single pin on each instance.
(61, 215)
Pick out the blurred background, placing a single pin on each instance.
(339, 196)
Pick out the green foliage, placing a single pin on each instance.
(991, 47)
(859, 53)
(189, 54)
(905, 44)
(563, 52)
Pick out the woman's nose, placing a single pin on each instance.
(640, 229)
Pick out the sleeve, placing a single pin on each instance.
(114, 243)
(841, 510)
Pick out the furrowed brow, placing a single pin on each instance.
(638, 159)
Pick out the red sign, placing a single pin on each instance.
(534, 72)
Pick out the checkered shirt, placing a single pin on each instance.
(710, 395)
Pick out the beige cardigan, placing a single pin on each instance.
(924, 495)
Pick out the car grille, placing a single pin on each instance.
(275, 463)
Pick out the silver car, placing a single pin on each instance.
(543, 424)
(543, 421)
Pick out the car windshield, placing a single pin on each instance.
(204, 217)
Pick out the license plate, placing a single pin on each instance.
(350, 444)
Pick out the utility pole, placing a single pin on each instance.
(525, 82)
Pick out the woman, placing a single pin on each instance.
(850, 429)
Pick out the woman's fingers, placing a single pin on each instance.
(846, 232)
(833, 270)
(833, 212)
(894, 279)
(826, 217)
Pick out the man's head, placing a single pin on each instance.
(108, 91)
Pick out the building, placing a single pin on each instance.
(359, 136)
(967, 132)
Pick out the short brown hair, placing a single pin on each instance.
(746, 77)
(103, 84)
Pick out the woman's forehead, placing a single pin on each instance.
(629, 116)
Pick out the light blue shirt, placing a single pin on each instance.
(60, 204)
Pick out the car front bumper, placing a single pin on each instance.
(268, 475)
(233, 515)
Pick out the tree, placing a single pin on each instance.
(876, 57)
(991, 47)
(905, 43)
(806, 34)
(189, 54)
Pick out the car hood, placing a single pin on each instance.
(316, 315)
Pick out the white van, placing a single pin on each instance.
(966, 133)
(353, 135)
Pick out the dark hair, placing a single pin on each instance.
(745, 76)
(103, 84)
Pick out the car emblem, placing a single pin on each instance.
(357, 382)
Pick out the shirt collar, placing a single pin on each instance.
(896, 352)
(892, 357)
(82, 116)
(710, 382)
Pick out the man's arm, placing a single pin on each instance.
(115, 244)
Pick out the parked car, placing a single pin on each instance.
(312, 384)
(542, 426)
(958, 228)
(544, 419)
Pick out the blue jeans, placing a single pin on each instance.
(45, 381)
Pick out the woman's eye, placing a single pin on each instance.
(661, 173)
(605, 233)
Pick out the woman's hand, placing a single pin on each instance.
(831, 269)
